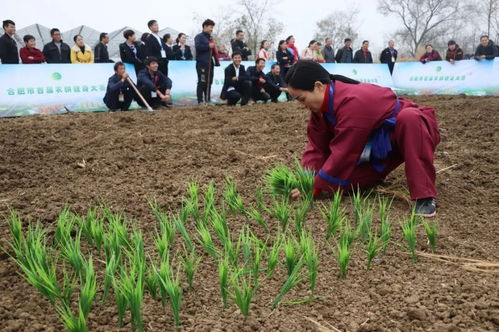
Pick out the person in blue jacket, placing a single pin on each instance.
(119, 93)
(153, 85)
(205, 47)
(274, 84)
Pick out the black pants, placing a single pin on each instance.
(112, 102)
(241, 92)
(273, 93)
(257, 94)
(154, 102)
(203, 90)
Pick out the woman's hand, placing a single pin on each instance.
(295, 193)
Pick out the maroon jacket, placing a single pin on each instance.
(455, 55)
(433, 56)
(34, 52)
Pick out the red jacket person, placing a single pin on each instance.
(358, 133)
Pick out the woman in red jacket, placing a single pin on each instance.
(358, 133)
(29, 53)
(430, 55)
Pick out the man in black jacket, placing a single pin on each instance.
(389, 55)
(101, 54)
(257, 78)
(236, 83)
(8, 46)
(132, 51)
(345, 54)
(487, 50)
(274, 84)
(239, 46)
(57, 51)
(155, 47)
(154, 85)
(119, 93)
(363, 55)
(205, 48)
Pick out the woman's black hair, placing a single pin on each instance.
(263, 43)
(280, 43)
(313, 41)
(303, 75)
(179, 36)
(76, 37)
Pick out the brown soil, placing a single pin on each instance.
(130, 157)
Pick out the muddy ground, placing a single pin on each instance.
(124, 159)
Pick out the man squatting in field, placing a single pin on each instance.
(358, 133)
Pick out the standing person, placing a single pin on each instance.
(430, 55)
(168, 40)
(57, 51)
(284, 58)
(345, 54)
(181, 51)
(29, 53)
(328, 51)
(389, 55)
(274, 84)
(155, 47)
(318, 53)
(132, 51)
(236, 83)
(222, 54)
(454, 52)
(238, 45)
(81, 52)
(8, 46)
(264, 50)
(206, 59)
(358, 133)
(101, 54)
(119, 93)
(363, 55)
(257, 78)
(153, 85)
(310, 53)
(290, 41)
(487, 50)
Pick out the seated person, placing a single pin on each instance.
(257, 78)
(236, 84)
(153, 85)
(119, 93)
(274, 84)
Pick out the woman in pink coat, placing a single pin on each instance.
(358, 133)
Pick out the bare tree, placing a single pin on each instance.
(338, 26)
(491, 8)
(422, 20)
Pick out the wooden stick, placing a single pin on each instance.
(208, 80)
(149, 108)
(446, 168)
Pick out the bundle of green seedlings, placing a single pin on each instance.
(334, 215)
(409, 232)
(38, 263)
(282, 180)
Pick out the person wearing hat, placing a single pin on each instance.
(358, 133)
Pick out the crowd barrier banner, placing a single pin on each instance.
(58, 88)
(54, 88)
(470, 77)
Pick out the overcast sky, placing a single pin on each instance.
(298, 16)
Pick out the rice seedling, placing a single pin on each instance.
(167, 227)
(364, 226)
(386, 227)
(180, 226)
(281, 181)
(343, 256)
(260, 204)
(220, 226)
(190, 262)
(281, 211)
(92, 228)
(88, 288)
(72, 322)
(71, 252)
(245, 243)
(243, 289)
(300, 216)
(431, 232)
(132, 289)
(136, 254)
(232, 197)
(16, 230)
(223, 279)
(258, 250)
(206, 241)
(347, 236)
(121, 302)
(311, 258)
(409, 231)
(193, 190)
(209, 201)
(231, 251)
(256, 215)
(151, 282)
(291, 253)
(110, 270)
(373, 248)
(292, 281)
(305, 180)
(117, 226)
(169, 285)
(333, 214)
(273, 255)
(357, 205)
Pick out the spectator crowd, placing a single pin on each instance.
(151, 53)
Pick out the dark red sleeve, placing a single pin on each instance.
(23, 53)
(38, 55)
(317, 150)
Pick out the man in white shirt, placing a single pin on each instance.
(237, 85)
(155, 47)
